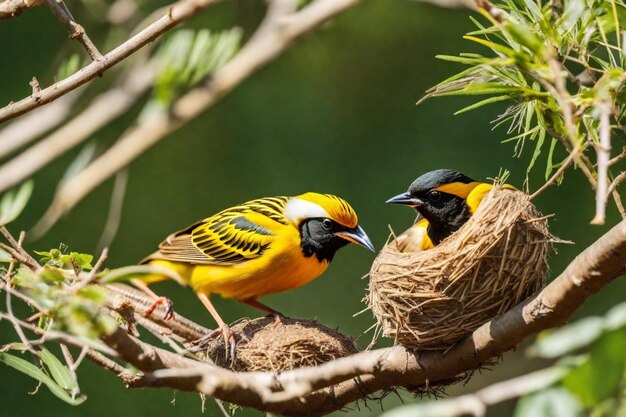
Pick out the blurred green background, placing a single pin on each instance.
(335, 114)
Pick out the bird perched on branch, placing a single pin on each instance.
(444, 199)
(261, 247)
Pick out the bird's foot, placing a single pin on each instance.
(169, 308)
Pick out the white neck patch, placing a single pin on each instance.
(298, 210)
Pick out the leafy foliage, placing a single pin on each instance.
(66, 306)
(557, 66)
(188, 56)
(54, 384)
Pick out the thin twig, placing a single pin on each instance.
(76, 31)
(16, 249)
(177, 13)
(616, 182)
(92, 274)
(618, 158)
(554, 178)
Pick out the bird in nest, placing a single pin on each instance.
(261, 247)
(444, 200)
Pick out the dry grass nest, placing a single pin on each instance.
(432, 299)
(289, 344)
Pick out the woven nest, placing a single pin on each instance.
(271, 346)
(432, 299)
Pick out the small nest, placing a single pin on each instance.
(434, 298)
(277, 347)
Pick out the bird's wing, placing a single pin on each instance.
(232, 236)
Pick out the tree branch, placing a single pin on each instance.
(177, 13)
(328, 387)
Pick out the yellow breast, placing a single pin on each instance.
(282, 266)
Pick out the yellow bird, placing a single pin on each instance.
(444, 199)
(261, 247)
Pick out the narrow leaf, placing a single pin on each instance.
(14, 201)
(33, 371)
(59, 371)
(482, 103)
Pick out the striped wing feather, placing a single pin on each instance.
(232, 236)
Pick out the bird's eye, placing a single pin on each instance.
(434, 196)
(327, 224)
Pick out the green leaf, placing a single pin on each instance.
(553, 402)
(482, 103)
(600, 376)
(556, 343)
(83, 260)
(540, 138)
(14, 201)
(550, 163)
(33, 371)
(59, 372)
(51, 274)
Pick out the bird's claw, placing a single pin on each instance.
(231, 339)
(169, 308)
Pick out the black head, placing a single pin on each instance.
(322, 237)
(439, 196)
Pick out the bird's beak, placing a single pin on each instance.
(405, 199)
(358, 237)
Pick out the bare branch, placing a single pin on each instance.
(12, 8)
(616, 182)
(177, 13)
(277, 32)
(554, 178)
(75, 30)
